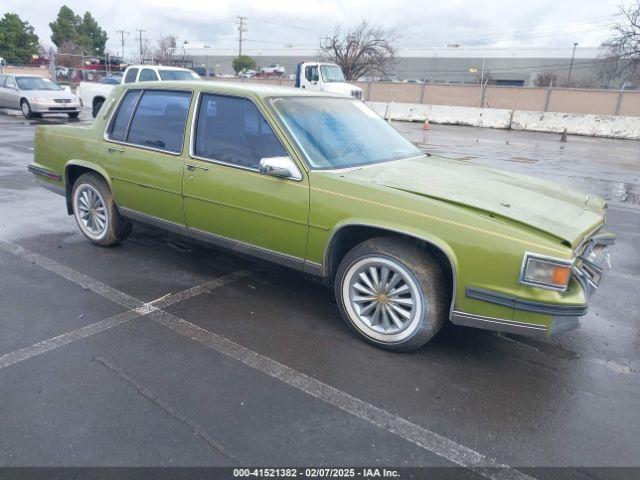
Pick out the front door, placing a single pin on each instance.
(143, 152)
(225, 195)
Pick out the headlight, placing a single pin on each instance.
(546, 272)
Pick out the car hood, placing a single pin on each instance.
(48, 94)
(548, 207)
(340, 87)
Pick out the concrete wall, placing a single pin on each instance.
(575, 124)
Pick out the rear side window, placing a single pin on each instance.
(130, 77)
(121, 120)
(148, 75)
(2, 79)
(160, 119)
(232, 130)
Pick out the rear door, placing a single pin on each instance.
(143, 152)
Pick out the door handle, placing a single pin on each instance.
(191, 168)
(114, 150)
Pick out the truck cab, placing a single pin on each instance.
(325, 77)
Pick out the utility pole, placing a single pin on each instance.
(573, 55)
(241, 29)
(122, 34)
(140, 31)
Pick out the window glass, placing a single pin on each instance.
(233, 130)
(147, 75)
(11, 83)
(311, 73)
(121, 120)
(337, 133)
(160, 119)
(178, 75)
(131, 75)
(2, 79)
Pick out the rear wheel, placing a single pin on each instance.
(392, 293)
(96, 213)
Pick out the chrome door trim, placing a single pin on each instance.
(497, 324)
(224, 242)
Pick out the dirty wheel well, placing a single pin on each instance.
(348, 237)
(72, 174)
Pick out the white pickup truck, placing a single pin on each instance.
(325, 77)
(94, 94)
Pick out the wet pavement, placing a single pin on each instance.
(256, 367)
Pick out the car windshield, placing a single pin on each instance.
(331, 73)
(178, 75)
(36, 83)
(340, 133)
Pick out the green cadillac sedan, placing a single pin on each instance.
(322, 184)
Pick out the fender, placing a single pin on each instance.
(432, 240)
(89, 166)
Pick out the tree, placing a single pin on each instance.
(18, 42)
(622, 50)
(364, 50)
(243, 62)
(546, 79)
(165, 49)
(84, 32)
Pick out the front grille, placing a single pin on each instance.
(592, 261)
(62, 100)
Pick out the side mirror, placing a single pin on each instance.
(280, 167)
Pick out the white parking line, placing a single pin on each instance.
(452, 451)
(427, 439)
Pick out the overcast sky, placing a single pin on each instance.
(279, 23)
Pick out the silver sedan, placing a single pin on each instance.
(36, 95)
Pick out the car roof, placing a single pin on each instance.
(249, 88)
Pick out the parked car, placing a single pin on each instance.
(412, 80)
(93, 94)
(325, 77)
(35, 95)
(273, 70)
(111, 80)
(247, 74)
(322, 184)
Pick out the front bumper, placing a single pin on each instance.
(54, 107)
(592, 258)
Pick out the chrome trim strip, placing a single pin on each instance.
(52, 188)
(218, 240)
(504, 300)
(558, 261)
(43, 172)
(497, 324)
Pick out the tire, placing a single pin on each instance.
(26, 108)
(96, 213)
(419, 289)
(73, 114)
(96, 107)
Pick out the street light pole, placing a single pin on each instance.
(573, 55)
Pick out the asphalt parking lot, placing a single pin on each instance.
(161, 352)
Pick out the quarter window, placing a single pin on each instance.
(123, 116)
(11, 83)
(159, 120)
(148, 75)
(130, 77)
(232, 130)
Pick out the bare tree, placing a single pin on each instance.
(364, 50)
(165, 49)
(546, 79)
(622, 50)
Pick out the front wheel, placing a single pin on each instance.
(96, 213)
(26, 108)
(392, 293)
(95, 109)
(73, 114)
